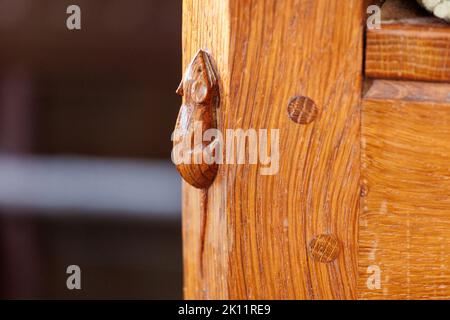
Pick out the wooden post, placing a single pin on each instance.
(291, 235)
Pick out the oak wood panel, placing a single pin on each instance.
(410, 50)
(258, 228)
(405, 218)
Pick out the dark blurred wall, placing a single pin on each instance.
(105, 91)
(119, 258)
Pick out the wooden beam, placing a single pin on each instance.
(275, 236)
(408, 91)
(409, 51)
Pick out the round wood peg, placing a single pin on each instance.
(302, 110)
(324, 248)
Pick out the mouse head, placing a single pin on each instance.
(199, 82)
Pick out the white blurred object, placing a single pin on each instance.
(90, 184)
(440, 8)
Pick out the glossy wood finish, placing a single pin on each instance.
(193, 156)
(405, 217)
(408, 91)
(412, 50)
(206, 243)
(259, 228)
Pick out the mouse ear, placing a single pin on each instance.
(212, 78)
(180, 90)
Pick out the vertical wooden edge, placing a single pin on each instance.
(206, 26)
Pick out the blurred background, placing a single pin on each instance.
(85, 171)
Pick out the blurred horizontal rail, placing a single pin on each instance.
(90, 184)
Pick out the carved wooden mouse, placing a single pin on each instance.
(200, 90)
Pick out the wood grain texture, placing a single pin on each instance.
(408, 91)
(206, 242)
(405, 218)
(409, 51)
(259, 227)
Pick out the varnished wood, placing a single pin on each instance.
(405, 217)
(259, 228)
(193, 155)
(408, 91)
(410, 50)
(205, 235)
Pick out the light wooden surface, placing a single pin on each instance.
(259, 228)
(405, 217)
(206, 240)
(408, 91)
(411, 50)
